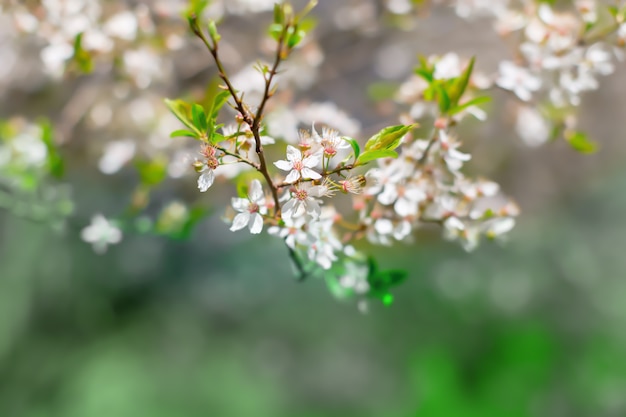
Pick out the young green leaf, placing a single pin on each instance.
(81, 57)
(199, 117)
(295, 38)
(368, 156)
(197, 7)
(442, 98)
(307, 9)
(382, 281)
(55, 163)
(279, 14)
(388, 138)
(219, 100)
(184, 133)
(460, 84)
(473, 102)
(275, 31)
(580, 142)
(182, 111)
(355, 146)
(215, 36)
(427, 75)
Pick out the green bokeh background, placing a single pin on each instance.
(217, 326)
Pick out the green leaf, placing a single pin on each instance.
(183, 133)
(216, 137)
(382, 281)
(425, 70)
(82, 57)
(473, 102)
(295, 38)
(429, 93)
(55, 163)
(368, 156)
(279, 14)
(425, 74)
(442, 98)
(307, 24)
(460, 84)
(307, 9)
(182, 111)
(219, 100)
(199, 117)
(580, 142)
(213, 32)
(197, 7)
(388, 138)
(355, 146)
(275, 31)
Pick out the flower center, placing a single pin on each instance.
(208, 151)
(301, 195)
(253, 207)
(298, 165)
(212, 163)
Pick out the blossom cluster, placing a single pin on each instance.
(415, 181)
(559, 54)
(320, 190)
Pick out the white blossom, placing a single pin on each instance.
(453, 158)
(518, 79)
(330, 141)
(299, 167)
(531, 126)
(101, 233)
(292, 232)
(250, 209)
(116, 155)
(325, 245)
(304, 199)
(448, 66)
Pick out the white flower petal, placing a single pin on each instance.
(256, 224)
(522, 93)
(312, 208)
(383, 226)
(283, 165)
(240, 221)
(287, 211)
(240, 204)
(206, 180)
(293, 176)
(312, 161)
(255, 193)
(389, 195)
(293, 154)
(309, 173)
(317, 191)
(405, 207)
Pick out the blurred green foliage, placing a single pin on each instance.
(215, 326)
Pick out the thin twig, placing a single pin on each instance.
(239, 157)
(253, 121)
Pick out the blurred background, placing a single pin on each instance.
(216, 325)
